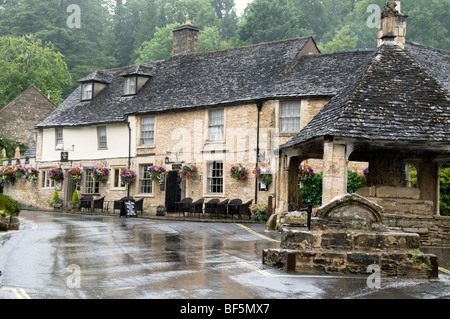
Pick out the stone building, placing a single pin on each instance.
(394, 113)
(20, 117)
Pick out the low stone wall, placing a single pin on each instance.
(9, 223)
(352, 263)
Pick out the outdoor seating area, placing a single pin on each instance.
(90, 204)
(215, 208)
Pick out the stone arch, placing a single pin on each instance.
(350, 207)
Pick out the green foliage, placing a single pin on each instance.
(10, 147)
(312, 190)
(342, 41)
(75, 199)
(355, 181)
(55, 196)
(27, 61)
(445, 190)
(9, 204)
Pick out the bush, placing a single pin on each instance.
(445, 190)
(9, 204)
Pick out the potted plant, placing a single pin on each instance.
(259, 211)
(157, 173)
(74, 204)
(56, 202)
(75, 174)
(188, 171)
(56, 174)
(128, 176)
(100, 174)
(264, 175)
(238, 172)
(296, 218)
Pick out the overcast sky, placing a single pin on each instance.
(240, 5)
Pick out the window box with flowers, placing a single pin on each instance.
(157, 173)
(238, 172)
(264, 176)
(8, 174)
(100, 174)
(75, 174)
(32, 174)
(128, 176)
(187, 172)
(19, 172)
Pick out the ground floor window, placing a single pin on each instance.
(118, 182)
(215, 178)
(89, 185)
(145, 181)
(46, 181)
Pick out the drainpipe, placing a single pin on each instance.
(259, 105)
(129, 152)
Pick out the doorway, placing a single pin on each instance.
(174, 187)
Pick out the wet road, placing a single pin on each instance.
(67, 256)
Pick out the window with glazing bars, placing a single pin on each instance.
(130, 85)
(59, 140)
(215, 178)
(145, 182)
(101, 137)
(90, 186)
(87, 91)
(147, 131)
(216, 125)
(290, 116)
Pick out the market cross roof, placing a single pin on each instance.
(392, 97)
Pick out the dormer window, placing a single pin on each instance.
(130, 85)
(86, 91)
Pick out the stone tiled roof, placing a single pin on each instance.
(227, 77)
(392, 97)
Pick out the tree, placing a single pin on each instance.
(27, 61)
(341, 41)
(267, 20)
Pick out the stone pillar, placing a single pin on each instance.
(428, 181)
(334, 171)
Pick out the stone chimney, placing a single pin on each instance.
(392, 24)
(185, 39)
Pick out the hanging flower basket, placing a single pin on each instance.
(100, 174)
(128, 176)
(32, 174)
(263, 174)
(238, 172)
(56, 174)
(75, 174)
(19, 171)
(158, 173)
(305, 172)
(187, 171)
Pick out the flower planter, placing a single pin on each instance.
(296, 221)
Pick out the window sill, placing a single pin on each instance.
(214, 195)
(287, 134)
(144, 196)
(145, 146)
(215, 142)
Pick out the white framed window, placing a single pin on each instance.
(101, 137)
(130, 85)
(46, 181)
(148, 131)
(216, 125)
(145, 182)
(215, 178)
(59, 139)
(86, 91)
(118, 182)
(89, 185)
(290, 117)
